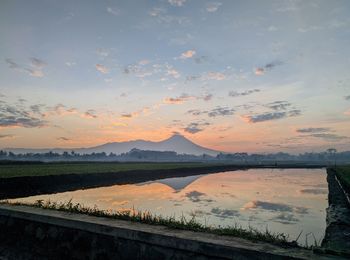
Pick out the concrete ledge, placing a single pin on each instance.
(143, 240)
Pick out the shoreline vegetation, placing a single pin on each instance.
(343, 174)
(37, 169)
(15, 169)
(182, 223)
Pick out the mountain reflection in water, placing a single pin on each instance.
(288, 200)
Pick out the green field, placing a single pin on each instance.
(343, 172)
(20, 170)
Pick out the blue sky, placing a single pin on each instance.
(255, 76)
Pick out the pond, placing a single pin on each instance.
(286, 201)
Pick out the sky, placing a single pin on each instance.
(236, 76)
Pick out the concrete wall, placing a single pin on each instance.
(32, 233)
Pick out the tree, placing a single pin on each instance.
(332, 152)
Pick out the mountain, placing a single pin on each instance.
(177, 143)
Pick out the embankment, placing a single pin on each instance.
(32, 233)
(337, 236)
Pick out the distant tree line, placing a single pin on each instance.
(330, 156)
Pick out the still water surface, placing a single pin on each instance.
(283, 200)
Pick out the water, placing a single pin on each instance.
(282, 200)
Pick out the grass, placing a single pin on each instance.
(343, 173)
(20, 170)
(171, 222)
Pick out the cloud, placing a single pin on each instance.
(225, 213)
(272, 28)
(60, 110)
(35, 62)
(187, 54)
(285, 218)
(62, 138)
(259, 71)
(294, 112)
(201, 59)
(206, 97)
(213, 7)
(143, 62)
(177, 2)
(221, 111)
(101, 68)
(329, 137)
(279, 105)
(27, 122)
(192, 77)
(173, 72)
(35, 73)
(244, 93)
(271, 206)
(267, 67)
(163, 17)
(215, 76)
(218, 111)
(314, 191)
(37, 109)
(102, 52)
(196, 196)
(313, 130)
(12, 64)
(145, 68)
(35, 69)
(127, 115)
(279, 110)
(6, 136)
(347, 112)
(70, 63)
(266, 117)
(347, 97)
(178, 100)
(11, 116)
(195, 127)
(90, 114)
(112, 11)
(287, 6)
(309, 29)
(156, 11)
(272, 116)
(196, 112)
(138, 69)
(322, 133)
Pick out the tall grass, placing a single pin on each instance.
(146, 217)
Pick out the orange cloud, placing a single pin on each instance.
(259, 71)
(101, 68)
(188, 54)
(178, 100)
